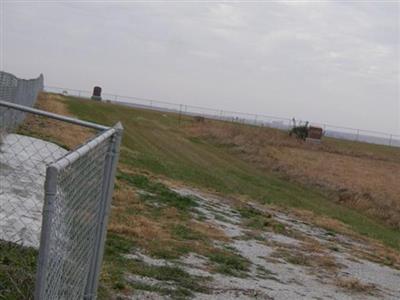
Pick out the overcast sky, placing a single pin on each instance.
(323, 61)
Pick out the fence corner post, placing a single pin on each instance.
(48, 210)
(108, 188)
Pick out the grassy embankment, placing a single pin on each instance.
(215, 156)
(161, 144)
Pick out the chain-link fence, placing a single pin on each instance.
(20, 91)
(334, 131)
(54, 203)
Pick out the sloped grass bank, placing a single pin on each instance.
(158, 143)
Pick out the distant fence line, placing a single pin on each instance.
(335, 131)
(18, 91)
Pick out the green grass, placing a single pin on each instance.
(17, 271)
(186, 284)
(117, 266)
(157, 142)
(158, 192)
(254, 219)
(230, 263)
(183, 232)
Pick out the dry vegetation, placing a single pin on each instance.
(148, 217)
(64, 134)
(348, 169)
(355, 286)
(157, 228)
(364, 177)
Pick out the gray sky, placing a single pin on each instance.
(323, 61)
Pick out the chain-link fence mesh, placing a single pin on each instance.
(52, 223)
(74, 214)
(19, 91)
(23, 162)
(330, 130)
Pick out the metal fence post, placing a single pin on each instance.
(358, 135)
(180, 114)
(48, 210)
(108, 187)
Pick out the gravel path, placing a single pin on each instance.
(329, 273)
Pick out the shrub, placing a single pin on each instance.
(300, 131)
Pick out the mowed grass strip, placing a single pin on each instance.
(157, 142)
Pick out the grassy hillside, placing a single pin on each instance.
(259, 173)
(164, 145)
(351, 188)
(357, 175)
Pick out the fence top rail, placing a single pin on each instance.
(66, 89)
(215, 110)
(72, 156)
(53, 116)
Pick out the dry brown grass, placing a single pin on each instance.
(375, 251)
(323, 222)
(139, 227)
(149, 234)
(361, 176)
(362, 183)
(154, 231)
(125, 196)
(316, 254)
(209, 230)
(62, 133)
(380, 255)
(135, 223)
(317, 261)
(326, 262)
(243, 134)
(311, 245)
(354, 285)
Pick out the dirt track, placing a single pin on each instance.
(303, 262)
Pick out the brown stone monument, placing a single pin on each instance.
(314, 134)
